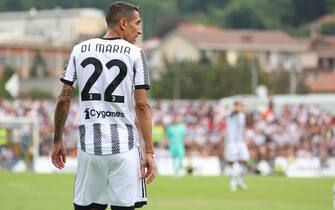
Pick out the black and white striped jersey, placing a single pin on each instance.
(106, 72)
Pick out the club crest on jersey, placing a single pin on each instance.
(92, 113)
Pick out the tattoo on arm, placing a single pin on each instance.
(61, 112)
(66, 92)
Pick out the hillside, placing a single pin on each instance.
(161, 16)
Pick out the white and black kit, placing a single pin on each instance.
(106, 73)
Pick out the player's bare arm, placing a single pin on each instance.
(58, 154)
(144, 115)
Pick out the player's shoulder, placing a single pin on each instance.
(135, 49)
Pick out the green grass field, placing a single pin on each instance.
(29, 191)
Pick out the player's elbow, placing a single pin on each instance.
(143, 106)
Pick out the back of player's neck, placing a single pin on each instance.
(113, 34)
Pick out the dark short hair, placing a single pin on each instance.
(118, 10)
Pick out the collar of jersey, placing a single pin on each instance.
(113, 38)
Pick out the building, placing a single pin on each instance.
(37, 43)
(38, 65)
(273, 49)
(57, 26)
(319, 68)
(52, 33)
(22, 57)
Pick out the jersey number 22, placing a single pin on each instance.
(86, 96)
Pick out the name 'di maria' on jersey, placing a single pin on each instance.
(105, 48)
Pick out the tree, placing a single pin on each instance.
(254, 14)
(196, 6)
(221, 80)
(280, 82)
(166, 24)
(306, 11)
(7, 73)
(328, 28)
(181, 80)
(241, 14)
(329, 6)
(152, 13)
(193, 79)
(212, 80)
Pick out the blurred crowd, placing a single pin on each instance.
(16, 136)
(295, 131)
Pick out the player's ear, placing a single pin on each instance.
(123, 23)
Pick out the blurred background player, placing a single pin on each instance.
(236, 150)
(158, 134)
(175, 133)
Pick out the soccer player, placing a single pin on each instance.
(236, 150)
(175, 133)
(112, 77)
(158, 133)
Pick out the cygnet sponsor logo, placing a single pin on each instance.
(89, 113)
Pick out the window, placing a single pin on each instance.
(331, 62)
(15, 62)
(320, 62)
(51, 64)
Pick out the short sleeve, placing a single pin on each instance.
(69, 75)
(141, 73)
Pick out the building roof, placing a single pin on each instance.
(217, 38)
(322, 20)
(150, 44)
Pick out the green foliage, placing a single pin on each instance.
(305, 11)
(280, 82)
(259, 14)
(7, 73)
(162, 88)
(328, 28)
(160, 16)
(153, 12)
(329, 6)
(166, 24)
(191, 80)
(200, 6)
(181, 80)
(39, 94)
(239, 14)
(302, 31)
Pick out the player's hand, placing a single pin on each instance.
(148, 168)
(58, 155)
